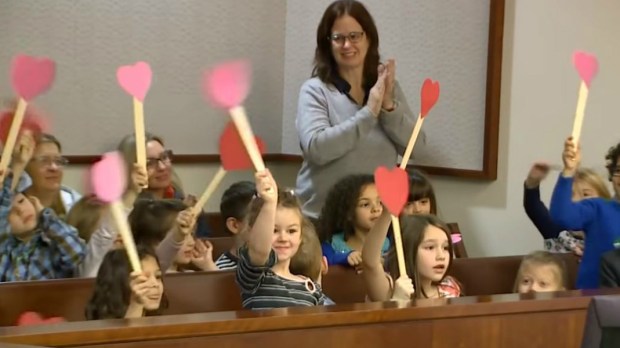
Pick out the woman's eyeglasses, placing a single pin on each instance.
(165, 158)
(354, 37)
(47, 161)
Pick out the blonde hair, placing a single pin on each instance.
(308, 259)
(85, 216)
(593, 179)
(58, 206)
(542, 258)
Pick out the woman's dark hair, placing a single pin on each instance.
(325, 66)
(112, 293)
(413, 228)
(611, 159)
(338, 212)
(151, 219)
(420, 187)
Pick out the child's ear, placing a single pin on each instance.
(232, 225)
(324, 265)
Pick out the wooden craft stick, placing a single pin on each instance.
(240, 119)
(120, 219)
(580, 112)
(7, 151)
(398, 244)
(215, 182)
(138, 120)
(412, 140)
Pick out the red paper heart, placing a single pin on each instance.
(32, 122)
(31, 76)
(233, 154)
(393, 188)
(33, 318)
(430, 95)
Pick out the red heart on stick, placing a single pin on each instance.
(430, 95)
(33, 318)
(32, 76)
(233, 154)
(32, 122)
(393, 188)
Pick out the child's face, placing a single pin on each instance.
(156, 290)
(287, 233)
(583, 190)
(368, 208)
(184, 255)
(615, 178)
(433, 254)
(23, 215)
(540, 278)
(421, 206)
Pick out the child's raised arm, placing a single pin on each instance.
(566, 213)
(168, 248)
(261, 233)
(377, 283)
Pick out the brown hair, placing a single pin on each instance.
(593, 179)
(308, 259)
(151, 219)
(85, 215)
(542, 258)
(413, 228)
(420, 187)
(325, 66)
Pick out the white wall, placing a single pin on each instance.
(539, 91)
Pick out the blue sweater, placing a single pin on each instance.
(337, 251)
(598, 218)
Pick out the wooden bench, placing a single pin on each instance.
(217, 291)
(533, 320)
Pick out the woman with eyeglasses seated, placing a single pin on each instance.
(45, 173)
(352, 115)
(163, 183)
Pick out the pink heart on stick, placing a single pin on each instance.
(586, 65)
(109, 177)
(430, 95)
(233, 154)
(393, 188)
(135, 79)
(31, 76)
(228, 84)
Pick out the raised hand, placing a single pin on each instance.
(403, 289)
(377, 92)
(139, 285)
(390, 78)
(185, 223)
(537, 174)
(571, 156)
(202, 255)
(139, 178)
(266, 186)
(24, 149)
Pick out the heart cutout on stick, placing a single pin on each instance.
(32, 122)
(33, 318)
(430, 95)
(135, 79)
(233, 154)
(393, 188)
(32, 76)
(109, 177)
(586, 65)
(228, 84)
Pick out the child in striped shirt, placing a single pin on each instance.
(263, 274)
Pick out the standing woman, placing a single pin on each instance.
(163, 183)
(352, 115)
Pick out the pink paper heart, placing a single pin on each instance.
(233, 154)
(135, 79)
(31, 76)
(228, 84)
(586, 65)
(430, 95)
(109, 177)
(393, 188)
(456, 238)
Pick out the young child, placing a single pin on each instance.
(428, 255)
(612, 159)
(587, 184)
(541, 271)
(421, 195)
(121, 294)
(351, 209)
(39, 244)
(309, 260)
(263, 274)
(234, 208)
(195, 253)
(596, 217)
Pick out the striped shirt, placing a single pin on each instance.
(261, 288)
(226, 261)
